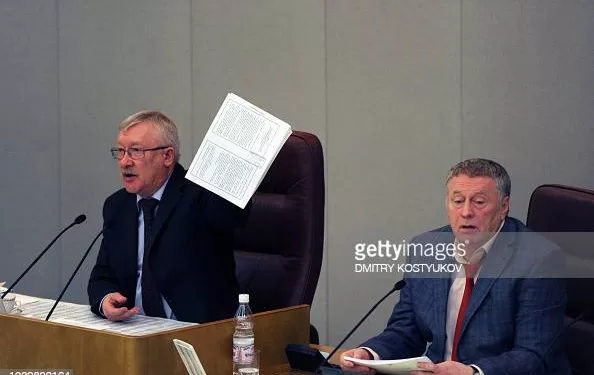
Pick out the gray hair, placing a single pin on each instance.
(162, 124)
(483, 168)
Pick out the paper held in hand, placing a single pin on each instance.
(393, 367)
(238, 149)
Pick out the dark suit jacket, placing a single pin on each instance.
(191, 255)
(514, 318)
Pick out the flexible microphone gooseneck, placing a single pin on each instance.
(399, 285)
(74, 273)
(79, 219)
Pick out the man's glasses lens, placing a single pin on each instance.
(134, 153)
(117, 153)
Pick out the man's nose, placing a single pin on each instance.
(467, 210)
(126, 161)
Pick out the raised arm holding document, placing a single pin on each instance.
(167, 241)
(167, 244)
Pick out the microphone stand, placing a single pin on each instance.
(73, 274)
(79, 219)
(323, 368)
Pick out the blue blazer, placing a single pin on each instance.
(191, 254)
(515, 316)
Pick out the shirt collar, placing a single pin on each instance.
(157, 194)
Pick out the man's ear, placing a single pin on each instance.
(169, 159)
(504, 207)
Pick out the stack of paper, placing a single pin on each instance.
(81, 316)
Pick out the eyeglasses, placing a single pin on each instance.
(133, 152)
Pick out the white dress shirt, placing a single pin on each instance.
(457, 292)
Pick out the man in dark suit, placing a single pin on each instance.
(500, 312)
(167, 243)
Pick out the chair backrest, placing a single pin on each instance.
(278, 253)
(565, 215)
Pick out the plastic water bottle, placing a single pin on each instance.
(243, 337)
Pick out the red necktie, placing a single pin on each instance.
(469, 270)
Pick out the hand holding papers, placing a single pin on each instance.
(394, 367)
(237, 151)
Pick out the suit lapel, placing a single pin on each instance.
(496, 261)
(128, 230)
(440, 296)
(441, 291)
(169, 200)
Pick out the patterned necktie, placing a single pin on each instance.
(151, 299)
(470, 271)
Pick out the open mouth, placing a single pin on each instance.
(128, 176)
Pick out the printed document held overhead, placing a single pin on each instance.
(238, 149)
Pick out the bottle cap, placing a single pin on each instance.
(244, 298)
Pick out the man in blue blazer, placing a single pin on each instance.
(184, 261)
(500, 312)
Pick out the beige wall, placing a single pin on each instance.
(397, 91)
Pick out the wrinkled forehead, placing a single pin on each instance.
(466, 185)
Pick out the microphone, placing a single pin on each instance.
(79, 219)
(74, 273)
(320, 370)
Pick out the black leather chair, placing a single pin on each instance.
(279, 252)
(565, 215)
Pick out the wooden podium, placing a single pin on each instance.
(37, 344)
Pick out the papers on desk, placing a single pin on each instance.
(81, 316)
(237, 151)
(394, 367)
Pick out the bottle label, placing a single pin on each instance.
(243, 353)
